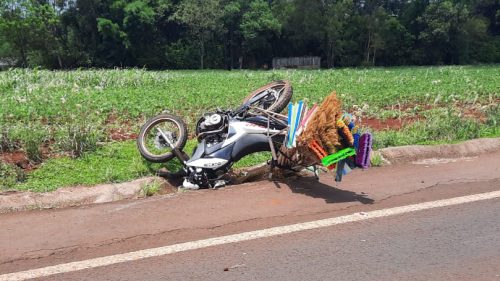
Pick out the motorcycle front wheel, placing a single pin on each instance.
(279, 94)
(157, 134)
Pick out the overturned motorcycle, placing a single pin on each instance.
(304, 138)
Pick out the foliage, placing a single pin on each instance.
(258, 25)
(376, 159)
(114, 162)
(9, 176)
(64, 97)
(32, 137)
(151, 188)
(246, 34)
(203, 18)
(440, 126)
(74, 111)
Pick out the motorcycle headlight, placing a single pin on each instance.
(213, 119)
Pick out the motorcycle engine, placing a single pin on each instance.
(212, 127)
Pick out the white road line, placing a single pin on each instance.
(245, 236)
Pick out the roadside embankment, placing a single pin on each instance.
(12, 201)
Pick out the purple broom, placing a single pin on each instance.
(364, 151)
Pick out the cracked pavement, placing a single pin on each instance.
(40, 238)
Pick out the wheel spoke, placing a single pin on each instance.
(158, 137)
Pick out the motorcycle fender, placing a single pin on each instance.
(248, 145)
(207, 163)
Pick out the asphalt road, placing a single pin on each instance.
(443, 244)
(456, 242)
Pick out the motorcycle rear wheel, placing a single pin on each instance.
(284, 92)
(150, 142)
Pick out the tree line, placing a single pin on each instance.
(156, 34)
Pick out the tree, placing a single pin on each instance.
(129, 30)
(18, 24)
(218, 33)
(442, 21)
(305, 26)
(203, 18)
(233, 13)
(397, 44)
(338, 16)
(375, 24)
(258, 25)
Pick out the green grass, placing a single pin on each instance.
(73, 111)
(115, 162)
(440, 126)
(151, 188)
(376, 160)
(29, 95)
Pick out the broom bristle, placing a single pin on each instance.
(322, 128)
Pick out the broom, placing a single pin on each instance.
(364, 151)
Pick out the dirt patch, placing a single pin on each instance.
(120, 130)
(112, 119)
(119, 134)
(468, 110)
(20, 158)
(387, 124)
(17, 158)
(410, 107)
(474, 113)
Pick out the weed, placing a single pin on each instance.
(135, 93)
(151, 188)
(32, 137)
(376, 159)
(440, 126)
(115, 162)
(80, 137)
(71, 108)
(10, 175)
(493, 116)
(6, 142)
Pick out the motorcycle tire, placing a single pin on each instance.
(282, 101)
(180, 141)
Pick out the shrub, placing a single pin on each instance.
(376, 160)
(80, 137)
(10, 175)
(5, 143)
(31, 141)
(439, 126)
(151, 188)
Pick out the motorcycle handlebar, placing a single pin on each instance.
(240, 110)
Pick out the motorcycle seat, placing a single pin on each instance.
(262, 121)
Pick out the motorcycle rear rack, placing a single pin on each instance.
(280, 118)
(276, 117)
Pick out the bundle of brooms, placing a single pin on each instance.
(324, 129)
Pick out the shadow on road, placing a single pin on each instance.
(311, 187)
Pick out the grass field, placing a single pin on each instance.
(77, 127)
